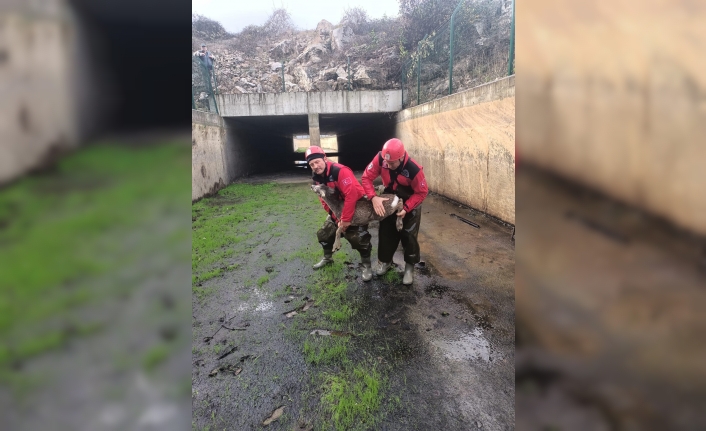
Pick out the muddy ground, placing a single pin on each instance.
(441, 350)
(610, 318)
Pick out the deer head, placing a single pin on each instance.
(320, 189)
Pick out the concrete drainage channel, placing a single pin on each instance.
(277, 345)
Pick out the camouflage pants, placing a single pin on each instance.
(358, 236)
(390, 237)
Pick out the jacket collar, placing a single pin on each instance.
(400, 167)
(323, 178)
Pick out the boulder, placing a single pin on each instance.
(275, 79)
(302, 78)
(342, 83)
(371, 76)
(361, 77)
(324, 27)
(283, 49)
(275, 66)
(327, 74)
(316, 49)
(322, 86)
(341, 37)
(341, 72)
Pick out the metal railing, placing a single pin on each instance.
(464, 52)
(203, 87)
(460, 54)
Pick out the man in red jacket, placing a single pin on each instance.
(404, 177)
(341, 178)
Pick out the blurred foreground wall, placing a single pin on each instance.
(55, 86)
(37, 110)
(613, 97)
(466, 143)
(611, 254)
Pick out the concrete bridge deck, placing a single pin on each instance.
(301, 103)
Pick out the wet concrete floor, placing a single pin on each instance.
(610, 315)
(447, 340)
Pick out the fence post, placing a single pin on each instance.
(209, 88)
(419, 67)
(284, 89)
(215, 101)
(511, 61)
(348, 72)
(401, 82)
(215, 80)
(451, 47)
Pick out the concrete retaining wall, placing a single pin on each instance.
(225, 149)
(209, 155)
(38, 118)
(301, 103)
(466, 143)
(616, 107)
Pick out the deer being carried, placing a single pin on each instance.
(364, 212)
(343, 198)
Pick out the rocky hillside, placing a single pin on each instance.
(317, 60)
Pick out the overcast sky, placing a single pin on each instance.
(237, 14)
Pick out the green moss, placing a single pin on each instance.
(353, 398)
(62, 231)
(320, 350)
(155, 356)
(392, 277)
(240, 217)
(262, 280)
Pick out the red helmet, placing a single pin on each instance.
(393, 150)
(314, 152)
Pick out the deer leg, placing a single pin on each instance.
(398, 224)
(337, 242)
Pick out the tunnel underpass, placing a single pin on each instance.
(263, 144)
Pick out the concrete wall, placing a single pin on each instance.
(618, 107)
(301, 103)
(209, 155)
(466, 143)
(38, 120)
(225, 149)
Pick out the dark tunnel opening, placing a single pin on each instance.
(131, 57)
(360, 136)
(264, 144)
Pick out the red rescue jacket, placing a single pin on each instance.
(342, 179)
(407, 180)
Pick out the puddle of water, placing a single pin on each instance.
(258, 302)
(436, 291)
(469, 347)
(264, 306)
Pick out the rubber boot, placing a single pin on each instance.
(367, 269)
(328, 258)
(408, 277)
(382, 269)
